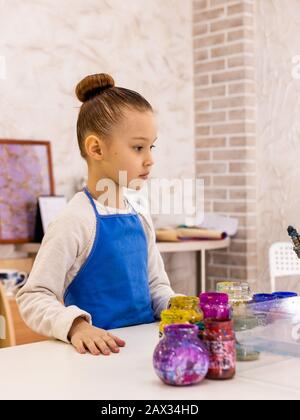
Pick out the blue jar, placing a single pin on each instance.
(263, 297)
(284, 295)
(261, 305)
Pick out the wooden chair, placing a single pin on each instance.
(17, 331)
(7, 331)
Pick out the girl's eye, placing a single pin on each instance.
(140, 148)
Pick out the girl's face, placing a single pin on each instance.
(130, 148)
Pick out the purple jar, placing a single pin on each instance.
(180, 358)
(215, 306)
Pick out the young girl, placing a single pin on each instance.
(98, 266)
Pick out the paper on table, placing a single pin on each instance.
(50, 207)
(213, 221)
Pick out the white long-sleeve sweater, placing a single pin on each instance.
(65, 247)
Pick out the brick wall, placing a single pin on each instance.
(224, 67)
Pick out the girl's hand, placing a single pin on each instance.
(84, 337)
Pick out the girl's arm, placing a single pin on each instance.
(40, 300)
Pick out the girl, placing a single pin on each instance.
(98, 266)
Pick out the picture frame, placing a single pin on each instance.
(25, 174)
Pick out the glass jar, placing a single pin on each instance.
(261, 306)
(239, 296)
(234, 289)
(172, 316)
(215, 305)
(245, 353)
(180, 358)
(219, 339)
(190, 304)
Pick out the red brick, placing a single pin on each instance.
(209, 15)
(241, 61)
(233, 128)
(232, 102)
(211, 142)
(214, 193)
(240, 8)
(200, 55)
(245, 167)
(211, 168)
(240, 34)
(242, 87)
(230, 180)
(232, 259)
(210, 66)
(200, 29)
(201, 80)
(200, 4)
(234, 207)
(230, 154)
(202, 130)
(227, 23)
(216, 270)
(209, 41)
(242, 141)
(210, 117)
(241, 115)
(210, 92)
(232, 49)
(228, 76)
(202, 105)
(203, 155)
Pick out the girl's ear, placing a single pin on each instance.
(94, 147)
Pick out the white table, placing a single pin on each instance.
(200, 247)
(53, 370)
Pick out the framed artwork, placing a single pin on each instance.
(25, 174)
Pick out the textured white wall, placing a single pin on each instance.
(49, 45)
(278, 135)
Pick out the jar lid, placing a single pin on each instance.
(263, 297)
(213, 297)
(174, 315)
(181, 300)
(284, 295)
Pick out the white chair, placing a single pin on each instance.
(283, 261)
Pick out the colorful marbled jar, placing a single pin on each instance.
(180, 358)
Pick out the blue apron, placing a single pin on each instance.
(112, 285)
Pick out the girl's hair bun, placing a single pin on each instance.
(93, 85)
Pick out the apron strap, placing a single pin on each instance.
(89, 195)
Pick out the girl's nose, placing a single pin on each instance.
(149, 161)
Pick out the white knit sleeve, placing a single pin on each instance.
(40, 300)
